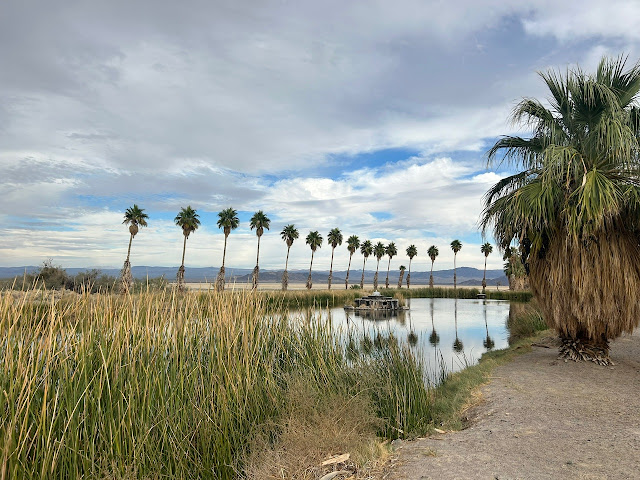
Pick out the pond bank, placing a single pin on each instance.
(540, 417)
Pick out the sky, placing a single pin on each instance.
(371, 116)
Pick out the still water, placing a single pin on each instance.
(447, 332)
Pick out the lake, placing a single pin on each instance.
(447, 332)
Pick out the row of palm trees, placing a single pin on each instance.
(188, 220)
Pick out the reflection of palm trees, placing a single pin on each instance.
(434, 338)
(412, 338)
(457, 344)
(487, 342)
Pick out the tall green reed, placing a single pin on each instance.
(161, 384)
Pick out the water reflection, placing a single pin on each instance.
(457, 344)
(434, 338)
(467, 327)
(488, 342)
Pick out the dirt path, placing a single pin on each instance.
(542, 418)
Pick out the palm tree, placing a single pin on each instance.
(314, 240)
(227, 220)
(433, 253)
(412, 251)
(456, 246)
(188, 220)
(391, 252)
(289, 233)
(353, 243)
(402, 269)
(366, 248)
(378, 251)
(510, 256)
(259, 222)
(135, 218)
(574, 207)
(486, 248)
(334, 239)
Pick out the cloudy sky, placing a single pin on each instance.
(371, 116)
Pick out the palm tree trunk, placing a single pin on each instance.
(346, 280)
(309, 283)
(184, 249)
(331, 268)
(484, 277)
(256, 270)
(224, 251)
(362, 279)
(285, 274)
(386, 283)
(129, 250)
(431, 275)
(180, 276)
(220, 279)
(375, 277)
(454, 272)
(409, 275)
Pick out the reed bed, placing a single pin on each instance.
(177, 386)
(467, 293)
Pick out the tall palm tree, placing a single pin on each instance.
(574, 207)
(334, 239)
(366, 248)
(391, 252)
(456, 246)
(289, 233)
(259, 221)
(433, 253)
(412, 251)
(353, 243)
(227, 220)
(378, 251)
(188, 220)
(402, 269)
(314, 240)
(486, 248)
(135, 218)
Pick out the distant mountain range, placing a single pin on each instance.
(466, 275)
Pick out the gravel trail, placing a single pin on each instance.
(542, 418)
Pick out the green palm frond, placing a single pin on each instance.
(228, 220)
(259, 221)
(289, 233)
(391, 250)
(353, 243)
(379, 250)
(366, 248)
(135, 216)
(188, 220)
(335, 237)
(314, 240)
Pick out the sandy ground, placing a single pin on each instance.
(542, 418)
